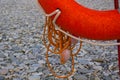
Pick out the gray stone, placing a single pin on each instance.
(1, 59)
(80, 77)
(3, 71)
(84, 71)
(10, 67)
(97, 68)
(2, 55)
(2, 78)
(37, 73)
(35, 66)
(34, 77)
(83, 61)
(107, 78)
(17, 79)
(41, 62)
(50, 78)
(32, 56)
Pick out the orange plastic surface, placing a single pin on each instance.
(84, 22)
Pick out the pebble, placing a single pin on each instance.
(41, 62)
(107, 78)
(83, 71)
(17, 79)
(31, 56)
(97, 78)
(2, 78)
(34, 77)
(1, 59)
(83, 61)
(80, 77)
(37, 73)
(3, 71)
(2, 55)
(97, 68)
(10, 66)
(35, 66)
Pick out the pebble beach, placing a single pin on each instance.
(22, 53)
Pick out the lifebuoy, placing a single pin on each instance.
(84, 22)
(67, 21)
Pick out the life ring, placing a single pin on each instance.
(84, 22)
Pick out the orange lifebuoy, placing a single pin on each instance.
(83, 22)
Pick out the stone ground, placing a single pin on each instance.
(22, 54)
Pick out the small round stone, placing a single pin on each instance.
(2, 78)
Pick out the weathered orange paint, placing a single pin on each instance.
(84, 22)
